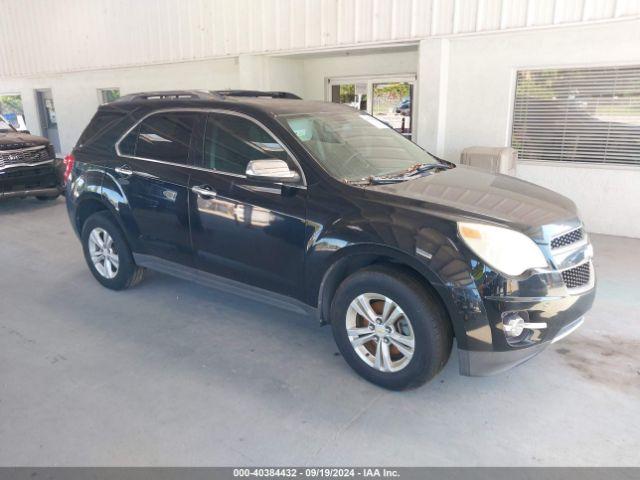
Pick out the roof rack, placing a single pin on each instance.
(256, 93)
(169, 95)
(202, 95)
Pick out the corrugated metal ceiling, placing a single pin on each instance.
(49, 36)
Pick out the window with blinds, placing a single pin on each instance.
(578, 115)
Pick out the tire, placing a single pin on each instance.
(428, 327)
(116, 277)
(43, 198)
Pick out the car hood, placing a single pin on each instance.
(11, 140)
(466, 193)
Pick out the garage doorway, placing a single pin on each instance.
(47, 116)
(389, 99)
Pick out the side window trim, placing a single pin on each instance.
(210, 118)
(136, 127)
(200, 160)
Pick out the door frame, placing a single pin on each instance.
(370, 80)
(43, 119)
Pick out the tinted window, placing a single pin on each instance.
(166, 136)
(231, 142)
(99, 125)
(352, 145)
(128, 143)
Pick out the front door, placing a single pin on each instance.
(153, 171)
(248, 231)
(48, 118)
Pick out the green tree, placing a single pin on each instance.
(11, 104)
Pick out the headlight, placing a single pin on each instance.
(506, 250)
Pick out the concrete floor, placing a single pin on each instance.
(173, 373)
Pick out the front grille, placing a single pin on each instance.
(28, 157)
(577, 276)
(568, 238)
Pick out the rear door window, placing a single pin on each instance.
(163, 136)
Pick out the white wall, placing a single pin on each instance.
(464, 97)
(55, 36)
(75, 95)
(260, 72)
(318, 68)
(76, 98)
(481, 81)
(608, 198)
(433, 83)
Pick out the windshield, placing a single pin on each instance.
(355, 146)
(5, 126)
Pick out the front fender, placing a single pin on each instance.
(428, 250)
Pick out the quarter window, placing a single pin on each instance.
(128, 144)
(231, 142)
(163, 136)
(98, 126)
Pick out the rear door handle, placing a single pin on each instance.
(124, 170)
(204, 191)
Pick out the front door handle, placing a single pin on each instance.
(124, 170)
(204, 191)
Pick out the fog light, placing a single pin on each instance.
(514, 325)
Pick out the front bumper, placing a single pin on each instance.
(561, 314)
(479, 364)
(33, 192)
(38, 180)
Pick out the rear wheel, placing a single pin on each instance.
(107, 253)
(390, 328)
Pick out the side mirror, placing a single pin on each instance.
(271, 170)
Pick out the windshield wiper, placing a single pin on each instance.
(408, 174)
(402, 175)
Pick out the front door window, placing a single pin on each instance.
(231, 142)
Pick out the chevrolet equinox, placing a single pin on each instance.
(325, 207)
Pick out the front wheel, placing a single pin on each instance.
(389, 328)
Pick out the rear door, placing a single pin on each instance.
(153, 171)
(249, 231)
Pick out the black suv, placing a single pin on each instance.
(325, 207)
(28, 165)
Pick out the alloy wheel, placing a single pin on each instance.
(380, 332)
(103, 253)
